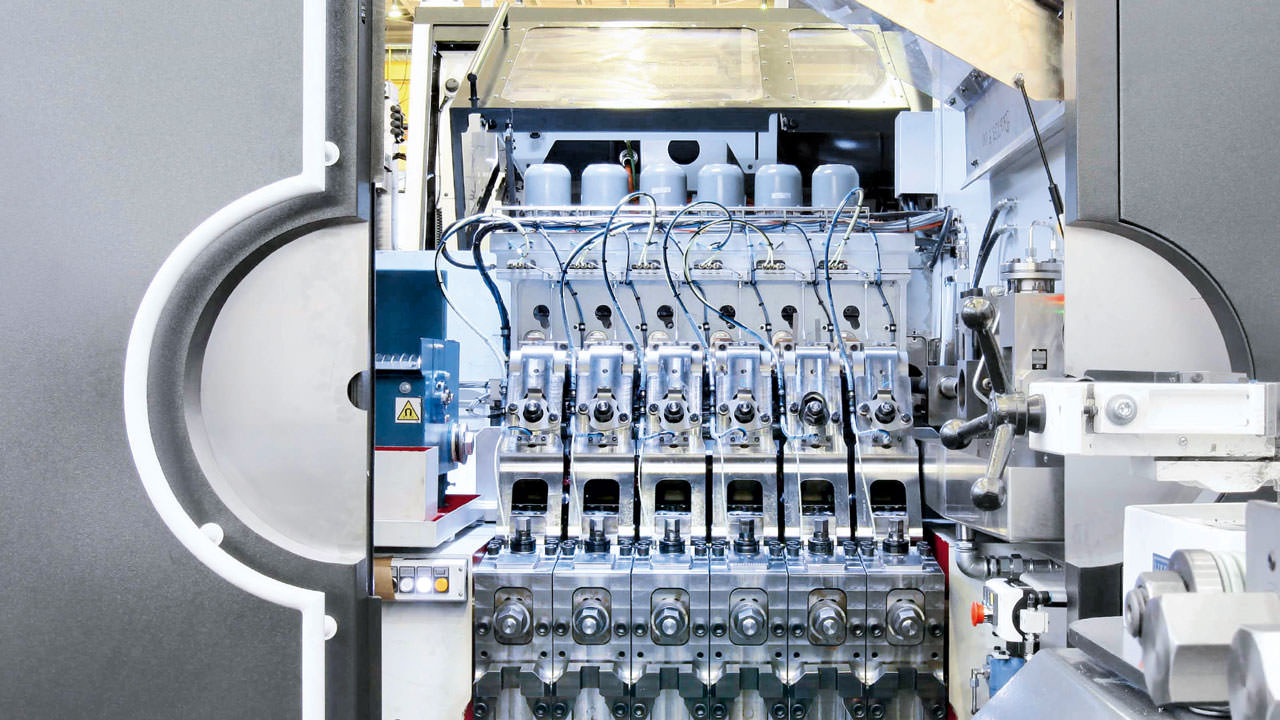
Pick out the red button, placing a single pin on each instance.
(977, 613)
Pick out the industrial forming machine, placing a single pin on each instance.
(729, 437)
(757, 392)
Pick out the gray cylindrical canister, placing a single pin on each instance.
(722, 183)
(831, 183)
(666, 182)
(603, 184)
(779, 186)
(547, 185)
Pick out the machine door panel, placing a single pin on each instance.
(228, 139)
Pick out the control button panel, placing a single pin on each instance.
(430, 579)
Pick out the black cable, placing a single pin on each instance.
(942, 237)
(564, 282)
(831, 323)
(884, 300)
(444, 252)
(988, 241)
(503, 318)
(626, 280)
(1055, 196)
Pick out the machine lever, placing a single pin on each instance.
(1008, 413)
(988, 492)
(979, 315)
(956, 434)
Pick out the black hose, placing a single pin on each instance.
(942, 237)
(503, 318)
(984, 249)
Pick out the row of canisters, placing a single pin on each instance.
(603, 185)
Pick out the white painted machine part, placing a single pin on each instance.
(137, 370)
(1220, 476)
(1000, 599)
(1183, 420)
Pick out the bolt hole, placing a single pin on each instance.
(358, 391)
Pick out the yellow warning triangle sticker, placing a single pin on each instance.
(407, 413)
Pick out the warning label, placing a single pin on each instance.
(409, 410)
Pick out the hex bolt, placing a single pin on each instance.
(1122, 409)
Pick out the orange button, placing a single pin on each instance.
(977, 613)
(442, 584)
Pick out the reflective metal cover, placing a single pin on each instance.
(649, 66)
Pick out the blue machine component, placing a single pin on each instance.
(415, 375)
(1002, 670)
(407, 304)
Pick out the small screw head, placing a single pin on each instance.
(562, 629)
(620, 710)
(1122, 409)
(797, 630)
(482, 629)
(405, 387)
(621, 631)
(779, 711)
(798, 711)
(699, 710)
(717, 630)
(542, 629)
(640, 630)
(639, 711)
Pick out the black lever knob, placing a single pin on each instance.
(979, 315)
